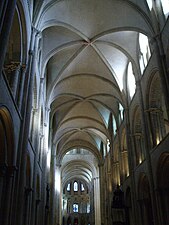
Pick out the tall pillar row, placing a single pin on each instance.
(24, 135)
(130, 145)
(97, 202)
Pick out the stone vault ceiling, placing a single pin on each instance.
(87, 45)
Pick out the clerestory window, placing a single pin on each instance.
(165, 7)
(150, 4)
(68, 187)
(75, 186)
(144, 54)
(131, 80)
(82, 187)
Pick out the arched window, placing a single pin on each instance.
(13, 58)
(157, 111)
(144, 51)
(131, 80)
(68, 187)
(121, 109)
(145, 202)
(165, 7)
(82, 187)
(88, 207)
(108, 145)
(75, 186)
(104, 150)
(114, 125)
(75, 207)
(150, 4)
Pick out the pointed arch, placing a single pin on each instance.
(6, 138)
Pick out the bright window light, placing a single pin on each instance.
(48, 159)
(121, 109)
(144, 51)
(141, 61)
(82, 187)
(75, 207)
(131, 80)
(57, 181)
(104, 150)
(114, 125)
(165, 6)
(143, 46)
(75, 186)
(108, 145)
(106, 115)
(68, 187)
(150, 5)
(64, 204)
(88, 208)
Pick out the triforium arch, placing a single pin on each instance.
(138, 138)
(16, 55)
(156, 110)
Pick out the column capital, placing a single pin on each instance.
(138, 82)
(6, 170)
(153, 109)
(28, 190)
(11, 170)
(31, 52)
(3, 169)
(23, 67)
(100, 164)
(153, 40)
(58, 164)
(137, 134)
(96, 178)
(41, 135)
(41, 80)
(13, 66)
(38, 201)
(48, 109)
(34, 110)
(35, 30)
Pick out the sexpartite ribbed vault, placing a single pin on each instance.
(84, 113)
(87, 47)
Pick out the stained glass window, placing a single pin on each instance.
(75, 207)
